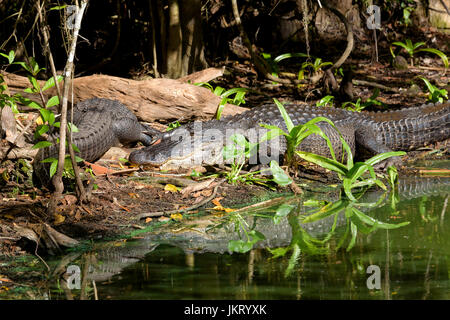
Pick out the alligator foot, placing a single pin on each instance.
(394, 161)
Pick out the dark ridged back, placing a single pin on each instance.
(403, 129)
(95, 120)
(419, 127)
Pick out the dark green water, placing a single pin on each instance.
(413, 261)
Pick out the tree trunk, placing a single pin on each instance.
(174, 47)
(193, 49)
(178, 43)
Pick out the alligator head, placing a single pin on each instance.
(201, 144)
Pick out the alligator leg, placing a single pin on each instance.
(368, 139)
(128, 130)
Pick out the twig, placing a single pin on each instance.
(444, 209)
(262, 204)
(95, 290)
(57, 178)
(373, 84)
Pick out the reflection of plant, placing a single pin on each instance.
(251, 236)
(356, 221)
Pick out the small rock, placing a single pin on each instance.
(400, 63)
(413, 91)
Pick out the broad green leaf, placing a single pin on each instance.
(51, 82)
(383, 156)
(42, 144)
(285, 115)
(10, 56)
(442, 55)
(49, 160)
(23, 65)
(71, 127)
(34, 83)
(75, 148)
(279, 176)
(324, 162)
(31, 103)
(45, 114)
(290, 55)
(218, 91)
(282, 211)
(53, 168)
(41, 129)
(327, 210)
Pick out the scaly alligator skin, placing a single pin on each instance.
(201, 143)
(102, 124)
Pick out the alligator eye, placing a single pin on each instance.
(213, 138)
(180, 138)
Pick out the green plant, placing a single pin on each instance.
(273, 63)
(239, 151)
(412, 49)
(351, 174)
(315, 66)
(406, 14)
(435, 94)
(47, 119)
(238, 93)
(358, 106)
(173, 125)
(296, 134)
(325, 101)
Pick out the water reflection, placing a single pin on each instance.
(290, 250)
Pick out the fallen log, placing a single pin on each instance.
(152, 100)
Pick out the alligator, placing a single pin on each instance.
(201, 143)
(102, 124)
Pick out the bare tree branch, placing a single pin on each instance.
(57, 178)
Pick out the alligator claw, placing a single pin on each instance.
(383, 165)
(149, 135)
